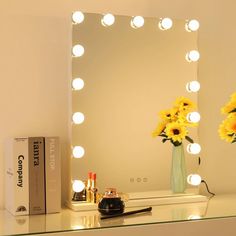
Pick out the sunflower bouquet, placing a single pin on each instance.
(227, 129)
(174, 125)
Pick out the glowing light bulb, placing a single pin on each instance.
(78, 186)
(78, 152)
(194, 179)
(77, 84)
(193, 117)
(108, 20)
(192, 56)
(78, 118)
(193, 148)
(192, 25)
(165, 24)
(193, 86)
(78, 50)
(77, 17)
(137, 22)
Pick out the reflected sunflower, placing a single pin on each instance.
(229, 107)
(224, 132)
(231, 123)
(168, 115)
(184, 104)
(176, 131)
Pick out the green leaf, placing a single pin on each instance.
(189, 139)
(162, 135)
(165, 139)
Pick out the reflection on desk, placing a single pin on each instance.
(216, 207)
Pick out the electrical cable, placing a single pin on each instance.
(203, 181)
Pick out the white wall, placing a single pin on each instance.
(34, 71)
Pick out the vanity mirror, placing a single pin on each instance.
(124, 71)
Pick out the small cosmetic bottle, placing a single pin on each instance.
(88, 187)
(94, 190)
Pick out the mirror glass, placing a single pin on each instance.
(130, 75)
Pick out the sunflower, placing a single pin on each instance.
(224, 132)
(176, 131)
(159, 129)
(182, 118)
(168, 115)
(231, 123)
(183, 104)
(229, 107)
(233, 97)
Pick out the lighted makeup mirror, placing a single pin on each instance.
(124, 71)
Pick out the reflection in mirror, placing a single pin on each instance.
(131, 68)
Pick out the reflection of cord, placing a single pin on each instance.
(203, 181)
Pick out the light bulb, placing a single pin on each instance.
(77, 17)
(137, 22)
(78, 117)
(78, 152)
(192, 56)
(78, 186)
(193, 148)
(193, 117)
(165, 24)
(194, 217)
(77, 84)
(193, 86)
(108, 20)
(78, 50)
(194, 179)
(192, 25)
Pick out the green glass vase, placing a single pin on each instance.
(178, 170)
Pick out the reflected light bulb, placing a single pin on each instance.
(194, 217)
(77, 84)
(78, 50)
(193, 86)
(78, 117)
(193, 117)
(77, 17)
(192, 56)
(78, 152)
(192, 25)
(137, 22)
(165, 24)
(108, 20)
(78, 186)
(193, 148)
(194, 179)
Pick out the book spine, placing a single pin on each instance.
(36, 176)
(17, 186)
(53, 174)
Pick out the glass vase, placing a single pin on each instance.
(178, 170)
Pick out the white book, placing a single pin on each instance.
(17, 176)
(53, 174)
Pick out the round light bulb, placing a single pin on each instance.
(192, 25)
(192, 56)
(77, 84)
(108, 20)
(137, 22)
(78, 50)
(194, 179)
(193, 86)
(165, 24)
(78, 186)
(193, 117)
(77, 17)
(78, 152)
(78, 118)
(193, 148)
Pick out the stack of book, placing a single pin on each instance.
(33, 175)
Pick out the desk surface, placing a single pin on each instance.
(68, 220)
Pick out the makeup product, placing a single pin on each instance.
(94, 190)
(127, 213)
(88, 187)
(111, 203)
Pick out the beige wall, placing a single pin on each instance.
(34, 71)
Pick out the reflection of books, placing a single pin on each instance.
(53, 175)
(36, 176)
(17, 186)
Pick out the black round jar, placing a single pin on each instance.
(111, 203)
